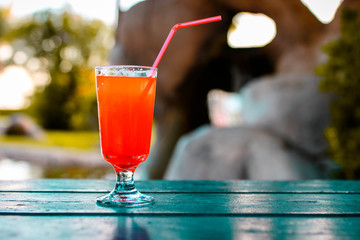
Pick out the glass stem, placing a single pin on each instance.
(125, 182)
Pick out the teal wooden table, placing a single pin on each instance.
(66, 209)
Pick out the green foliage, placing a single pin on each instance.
(61, 52)
(3, 24)
(79, 140)
(341, 75)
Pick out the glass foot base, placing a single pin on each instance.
(132, 199)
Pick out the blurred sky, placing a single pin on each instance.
(104, 9)
(15, 83)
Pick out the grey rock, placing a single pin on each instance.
(291, 106)
(239, 153)
(21, 124)
(281, 136)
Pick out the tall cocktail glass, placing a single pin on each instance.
(125, 98)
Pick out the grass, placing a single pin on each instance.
(67, 139)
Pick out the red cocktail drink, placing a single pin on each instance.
(126, 96)
(125, 106)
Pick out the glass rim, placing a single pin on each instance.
(126, 66)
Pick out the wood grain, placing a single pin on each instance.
(66, 209)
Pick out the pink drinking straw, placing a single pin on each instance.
(176, 27)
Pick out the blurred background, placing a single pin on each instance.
(268, 93)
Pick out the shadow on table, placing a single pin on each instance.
(128, 229)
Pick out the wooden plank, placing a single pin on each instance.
(159, 186)
(186, 204)
(41, 227)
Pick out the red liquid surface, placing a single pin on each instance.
(125, 107)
